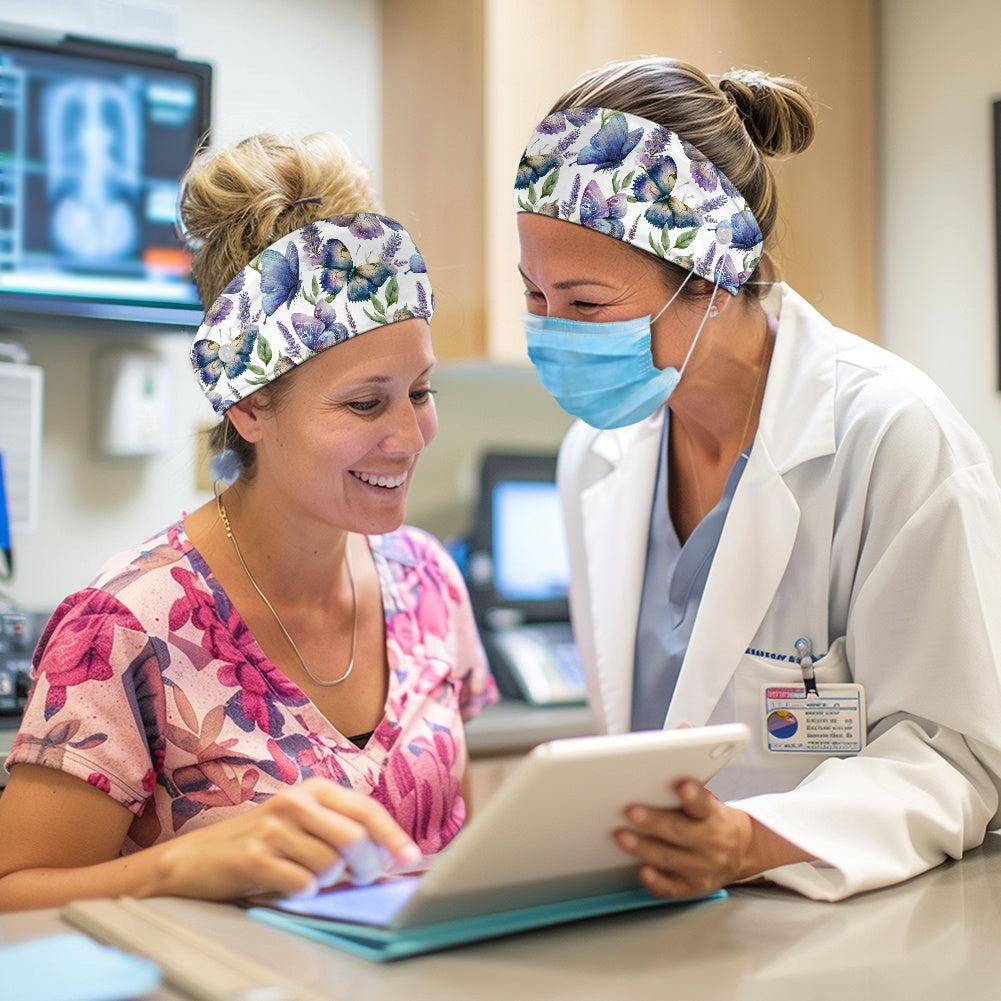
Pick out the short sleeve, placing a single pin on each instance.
(96, 700)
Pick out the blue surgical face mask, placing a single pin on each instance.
(603, 373)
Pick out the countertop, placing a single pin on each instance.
(933, 937)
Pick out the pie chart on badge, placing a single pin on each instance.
(782, 724)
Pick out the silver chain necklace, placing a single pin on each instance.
(281, 625)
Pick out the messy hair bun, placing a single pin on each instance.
(237, 202)
(777, 112)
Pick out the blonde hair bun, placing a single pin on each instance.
(779, 113)
(237, 202)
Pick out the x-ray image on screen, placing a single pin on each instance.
(93, 142)
(93, 164)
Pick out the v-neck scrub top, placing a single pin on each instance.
(149, 686)
(673, 584)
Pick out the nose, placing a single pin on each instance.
(410, 428)
(537, 302)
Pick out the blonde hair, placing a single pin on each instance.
(235, 203)
(737, 123)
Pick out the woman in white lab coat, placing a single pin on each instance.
(804, 539)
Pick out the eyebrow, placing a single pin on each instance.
(569, 282)
(382, 379)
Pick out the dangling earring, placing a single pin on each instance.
(226, 466)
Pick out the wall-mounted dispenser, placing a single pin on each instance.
(21, 436)
(133, 394)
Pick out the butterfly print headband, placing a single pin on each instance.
(639, 182)
(321, 285)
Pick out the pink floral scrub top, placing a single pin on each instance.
(150, 686)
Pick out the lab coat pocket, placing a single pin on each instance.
(775, 772)
(757, 669)
(833, 667)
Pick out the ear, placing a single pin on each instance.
(721, 302)
(248, 417)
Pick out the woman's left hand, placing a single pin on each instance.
(701, 846)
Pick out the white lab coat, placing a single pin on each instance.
(867, 510)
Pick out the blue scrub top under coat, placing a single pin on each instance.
(673, 584)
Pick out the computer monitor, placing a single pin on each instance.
(94, 139)
(517, 562)
(530, 557)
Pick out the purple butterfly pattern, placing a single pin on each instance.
(329, 281)
(603, 214)
(320, 330)
(637, 181)
(279, 278)
(610, 145)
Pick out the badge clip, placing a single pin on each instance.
(804, 652)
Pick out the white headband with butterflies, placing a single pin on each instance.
(639, 182)
(327, 282)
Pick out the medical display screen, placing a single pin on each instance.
(529, 549)
(93, 142)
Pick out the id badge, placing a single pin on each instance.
(830, 722)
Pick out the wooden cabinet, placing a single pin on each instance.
(464, 82)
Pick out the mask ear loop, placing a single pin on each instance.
(673, 297)
(705, 316)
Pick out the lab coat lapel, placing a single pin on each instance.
(752, 556)
(616, 522)
(796, 425)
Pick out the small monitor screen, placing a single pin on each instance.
(529, 549)
(92, 147)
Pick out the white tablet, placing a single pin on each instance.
(546, 834)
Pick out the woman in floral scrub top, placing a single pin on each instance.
(272, 689)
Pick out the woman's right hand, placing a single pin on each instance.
(61, 838)
(292, 844)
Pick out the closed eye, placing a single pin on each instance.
(419, 397)
(363, 406)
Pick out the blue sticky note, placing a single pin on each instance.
(72, 967)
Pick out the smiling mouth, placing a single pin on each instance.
(389, 482)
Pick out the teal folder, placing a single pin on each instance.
(541, 852)
(383, 943)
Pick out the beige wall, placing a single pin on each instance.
(939, 76)
(532, 52)
(432, 145)
(931, 232)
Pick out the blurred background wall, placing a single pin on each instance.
(887, 222)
